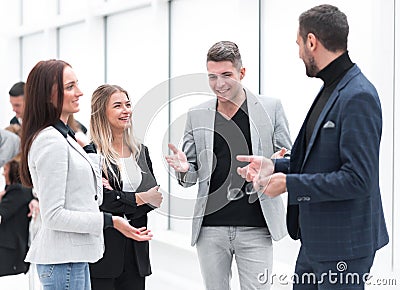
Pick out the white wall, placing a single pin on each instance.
(139, 45)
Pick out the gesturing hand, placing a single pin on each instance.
(258, 168)
(260, 171)
(123, 226)
(152, 196)
(279, 154)
(178, 160)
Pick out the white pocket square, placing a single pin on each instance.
(329, 124)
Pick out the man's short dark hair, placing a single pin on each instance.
(328, 24)
(225, 51)
(17, 89)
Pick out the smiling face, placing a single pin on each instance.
(224, 79)
(118, 112)
(72, 93)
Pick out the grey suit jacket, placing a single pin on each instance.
(9, 146)
(269, 132)
(67, 182)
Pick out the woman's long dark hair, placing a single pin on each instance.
(44, 83)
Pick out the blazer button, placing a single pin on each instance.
(96, 197)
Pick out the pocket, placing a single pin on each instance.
(45, 271)
(80, 239)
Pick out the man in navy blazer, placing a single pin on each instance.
(332, 178)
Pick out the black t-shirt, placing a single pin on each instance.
(231, 138)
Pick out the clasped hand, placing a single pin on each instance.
(152, 196)
(260, 171)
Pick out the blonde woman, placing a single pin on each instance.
(130, 189)
(66, 181)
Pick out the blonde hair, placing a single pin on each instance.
(100, 129)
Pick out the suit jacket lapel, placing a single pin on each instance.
(332, 99)
(205, 121)
(256, 117)
(321, 117)
(78, 148)
(208, 128)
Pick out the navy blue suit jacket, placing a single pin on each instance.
(334, 201)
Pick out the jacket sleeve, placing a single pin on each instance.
(189, 178)
(118, 201)
(145, 208)
(9, 146)
(281, 136)
(124, 202)
(12, 202)
(357, 174)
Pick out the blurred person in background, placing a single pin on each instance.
(17, 101)
(9, 146)
(14, 221)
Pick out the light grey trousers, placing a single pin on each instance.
(252, 248)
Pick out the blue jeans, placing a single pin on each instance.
(74, 276)
(252, 248)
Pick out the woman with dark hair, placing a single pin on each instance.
(14, 222)
(67, 182)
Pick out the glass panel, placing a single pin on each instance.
(137, 60)
(81, 45)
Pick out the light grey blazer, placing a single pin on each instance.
(66, 181)
(269, 132)
(9, 146)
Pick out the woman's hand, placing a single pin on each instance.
(152, 196)
(123, 226)
(106, 184)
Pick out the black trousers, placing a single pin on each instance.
(331, 275)
(129, 278)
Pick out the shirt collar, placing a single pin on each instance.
(64, 129)
(335, 69)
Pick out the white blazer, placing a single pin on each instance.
(69, 189)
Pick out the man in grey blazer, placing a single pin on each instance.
(227, 221)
